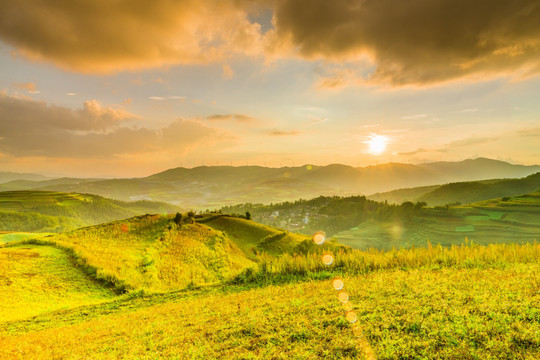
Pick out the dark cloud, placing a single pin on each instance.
(30, 128)
(417, 41)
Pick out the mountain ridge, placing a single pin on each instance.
(206, 187)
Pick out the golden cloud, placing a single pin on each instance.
(102, 36)
(93, 131)
(415, 42)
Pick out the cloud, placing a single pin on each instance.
(240, 118)
(414, 117)
(415, 152)
(465, 111)
(94, 131)
(29, 86)
(101, 36)
(416, 42)
(244, 118)
(470, 141)
(530, 132)
(228, 73)
(283, 133)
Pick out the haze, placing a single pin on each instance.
(131, 88)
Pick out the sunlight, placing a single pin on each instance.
(377, 144)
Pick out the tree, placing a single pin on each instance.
(191, 216)
(178, 218)
(248, 215)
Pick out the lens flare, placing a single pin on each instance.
(327, 259)
(319, 238)
(351, 316)
(338, 284)
(343, 296)
(347, 306)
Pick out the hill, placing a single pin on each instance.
(469, 192)
(6, 176)
(154, 253)
(46, 211)
(207, 187)
(362, 223)
(462, 192)
(504, 220)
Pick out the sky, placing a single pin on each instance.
(128, 88)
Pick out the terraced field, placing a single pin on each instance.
(515, 219)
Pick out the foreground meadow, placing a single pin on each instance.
(481, 303)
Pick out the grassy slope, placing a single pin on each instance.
(435, 313)
(252, 237)
(514, 220)
(42, 211)
(152, 253)
(12, 236)
(36, 279)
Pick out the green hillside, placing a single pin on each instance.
(362, 223)
(254, 238)
(152, 252)
(462, 192)
(504, 220)
(469, 192)
(45, 211)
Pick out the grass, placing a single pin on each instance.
(254, 238)
(435, 313)
(10, 236)
(151, 252)
(195, 295)
(36, 279)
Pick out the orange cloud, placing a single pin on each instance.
(416, 42)
(29, 86)
(283, 133)
(103, 36)
(240, 118)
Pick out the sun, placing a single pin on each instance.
(377, 144)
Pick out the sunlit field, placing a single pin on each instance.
(432, 302)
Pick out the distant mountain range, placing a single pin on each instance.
(6, 176)
(213, 187)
